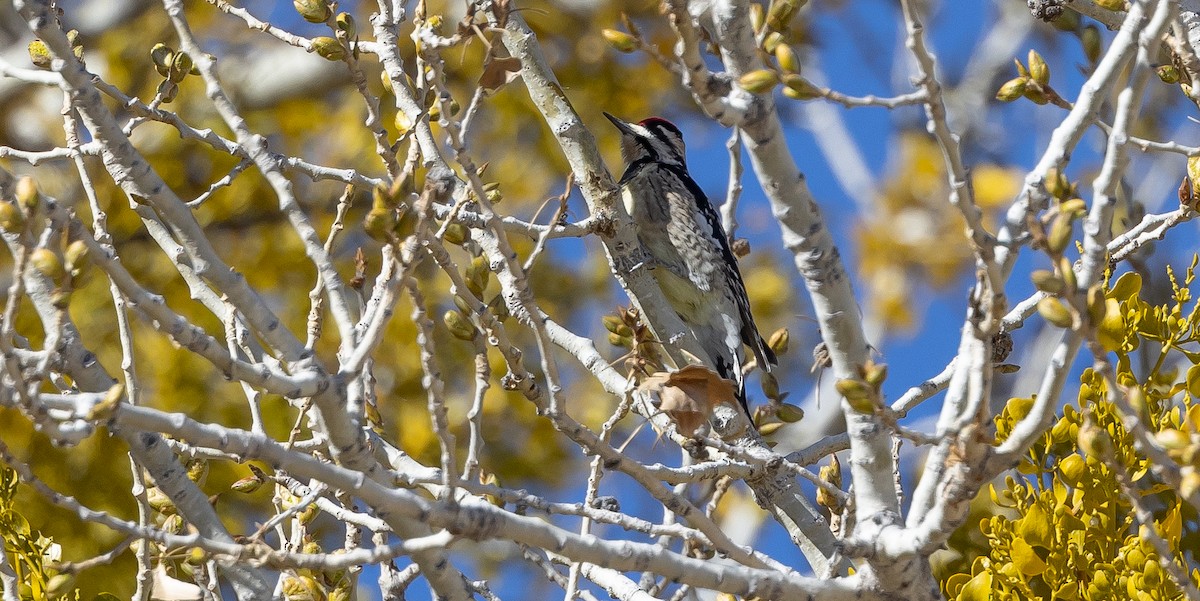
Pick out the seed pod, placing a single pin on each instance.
(787, 59)
(758, 82)
(1038, 69)
(460, 327)
(163, 56)
(313, 11)
(1053, 311)
(328, 48)
(39, 54)
(11, 218)
(779, 341)
(1012, 89)
(27, 193)
(798, 88)
(181, 67)
(1046, 281)
(619, 40)
(48, 263)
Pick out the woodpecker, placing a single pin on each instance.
(680, 230)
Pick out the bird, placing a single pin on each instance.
(692, 262)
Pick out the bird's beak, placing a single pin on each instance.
(621, 125)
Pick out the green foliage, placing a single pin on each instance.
(1066, 529)
(28, 552)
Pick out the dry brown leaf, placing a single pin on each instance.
(499, 71)
(689, 395)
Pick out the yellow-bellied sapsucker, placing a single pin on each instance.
(680, 230)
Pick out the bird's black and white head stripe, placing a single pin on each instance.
(654, 139)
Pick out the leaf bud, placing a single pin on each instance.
(787, 59)
(1038, 69)
(613, 324)
(875, 373)
(789, 413)
(852, 389)
(163, 56)
(772, 41)
(771, 428)
(1092, 45)
(39, 54)
(60, 585)
(460, 327)
(477, 276)
(779, 341)
(246, 485)
(181, 67)
(1053, 311)
(1012, 89)
(1060, 234)
(1057, 184)
(780, 13)
(1036, 94)
(798, 88)
(1094, 440)
(1096, 303)
(1046, 281)
(11, 218)
(27, 193)
(759, 81)
(1172, 439)
(619, 40)
(1168, 74)
(1075, 207)
(48, 263)
(1111, 4)
(379, 222)
(345, 26)
(328, 48)
(313, 11)
(1067, 271)
(758, 16)
(770, 386)
(498, 308)
(457, 234)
